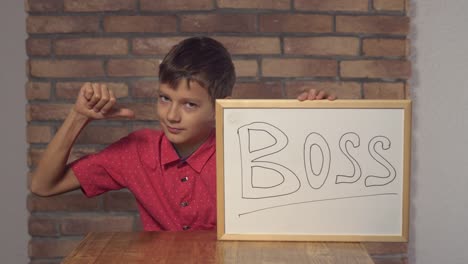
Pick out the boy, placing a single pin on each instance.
(171, 173)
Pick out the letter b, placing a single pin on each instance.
(251, 166)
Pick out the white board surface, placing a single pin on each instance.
(312, 172)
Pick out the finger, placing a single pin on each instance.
(104, 98)
(302, 96)
(332, 97)
(110, 103)
(87, 91)
(312, 94)
(321, 95)
(96, 95)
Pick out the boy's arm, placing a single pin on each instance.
(52, 175)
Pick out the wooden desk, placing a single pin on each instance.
(203, 248)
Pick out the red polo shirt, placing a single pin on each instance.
(172, 194)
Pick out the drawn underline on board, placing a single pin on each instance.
(313, 201)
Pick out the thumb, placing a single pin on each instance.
(121, 113)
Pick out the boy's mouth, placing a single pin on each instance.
(173, 130)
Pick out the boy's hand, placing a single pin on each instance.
(95, 101)
(313, 94)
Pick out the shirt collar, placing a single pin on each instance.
(196, 160)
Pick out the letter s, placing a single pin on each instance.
(374, 180)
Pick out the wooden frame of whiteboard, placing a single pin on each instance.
(222, 104)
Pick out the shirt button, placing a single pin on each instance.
(184, 204)
(185, 227)
(184, 179)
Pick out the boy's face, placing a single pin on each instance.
(186, 115)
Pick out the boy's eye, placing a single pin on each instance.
(163, 98)
(190, 105)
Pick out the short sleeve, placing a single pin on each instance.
(105, 170)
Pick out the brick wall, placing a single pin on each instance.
(355, 48)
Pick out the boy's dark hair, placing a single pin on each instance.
(200, 59)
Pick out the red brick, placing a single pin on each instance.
(119, 201)
(161, 24)
(45, 112)
(38, 90)
(101, 134)
(80, 225)
(33, 156)
(133, 67)
(70, 90)
(145, 89)
(258, 90)
(390, 260)
(78, 152)
(295, 23)
(62, 24)
(65, 203)
(331, 5)
(100, 5)
(29, 176)
(66, 68)
(373, 24)
(251, 45)
(343, 90)
(144, 111)
(235, 45)
(407, 89)
(382, 248)
(384, 90)
(39, 134)
(154, 46)
(298, 67)
(38, 47)
(257, 4)
(165, 5)
(246, 68)
(45, 261)
(43, 226)
(138, 226)
(389, 5)
(218, 23)
(376, 69)
(322, 46)
(43, 5)
(49, 248)
(385, 47)
(91, 46)
(49, 112)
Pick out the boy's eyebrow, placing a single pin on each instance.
(159, 93)
(196, 100)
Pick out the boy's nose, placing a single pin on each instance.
(173, 115)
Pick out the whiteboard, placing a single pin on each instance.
(313, 170)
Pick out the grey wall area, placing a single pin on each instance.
(439, 212)
(13, 169)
